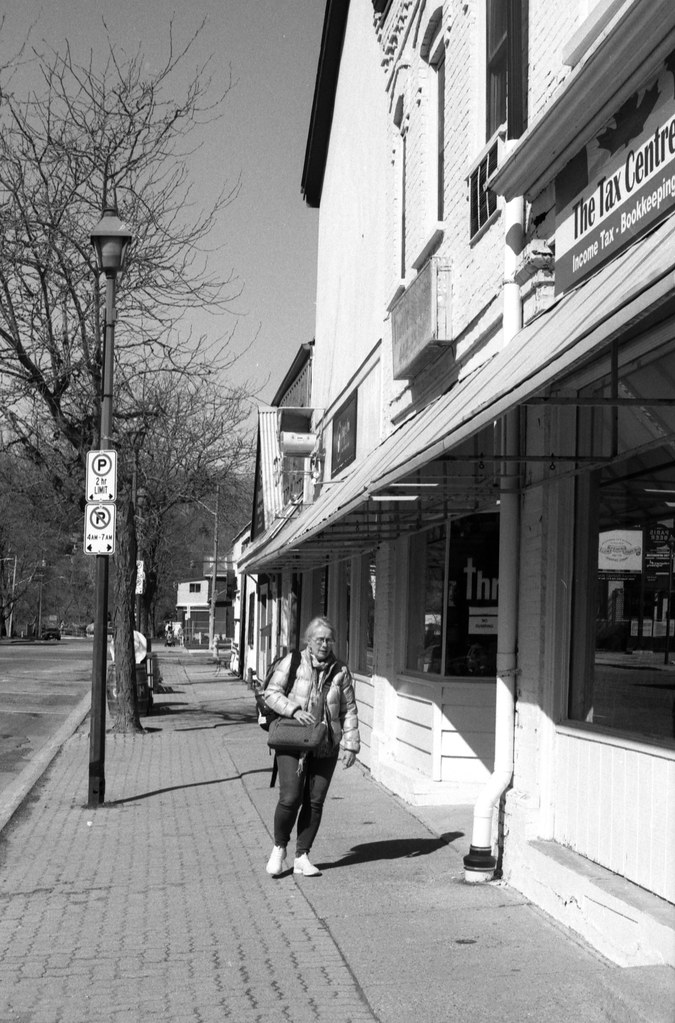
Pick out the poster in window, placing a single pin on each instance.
(344, 436)
(619, 553)
(473, 596)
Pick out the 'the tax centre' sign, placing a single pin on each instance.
(619, 185)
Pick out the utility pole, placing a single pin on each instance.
(214, 578)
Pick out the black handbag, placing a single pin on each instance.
(287, 734)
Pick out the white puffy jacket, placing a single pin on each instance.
(284, 696)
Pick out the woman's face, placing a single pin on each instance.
(321, 643)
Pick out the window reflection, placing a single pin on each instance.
(623, 657)
(454, 584)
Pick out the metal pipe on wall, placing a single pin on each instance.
(480, 863)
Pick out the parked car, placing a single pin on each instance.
(51, 633)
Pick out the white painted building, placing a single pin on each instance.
(488, 505)
(194, 605)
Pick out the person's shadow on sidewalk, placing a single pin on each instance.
(178, 788)
(394, 849)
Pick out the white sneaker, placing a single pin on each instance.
(275, 864)
(301, 865)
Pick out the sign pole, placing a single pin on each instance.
(98, 679)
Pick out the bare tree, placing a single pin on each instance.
(190, 438)
(81, 136)
(39, 532)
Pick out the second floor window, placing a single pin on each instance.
(506, 66)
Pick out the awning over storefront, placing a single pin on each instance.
(440, 462)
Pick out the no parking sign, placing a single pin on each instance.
(99, 528)
(99, 515)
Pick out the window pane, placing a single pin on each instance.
(623, 676)
(369, 612)
(497, 13)
(506, 66)
(473, 594)
(425, 617)
(496, 98)
(496, 59)
(622, 670)
(452, 617)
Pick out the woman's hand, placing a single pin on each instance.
(304, 717)
(348, 759)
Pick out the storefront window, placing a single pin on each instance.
(369, 612)
(623, 649)
(453, 585)
(622, 654)
(425, 618)
(362, 613)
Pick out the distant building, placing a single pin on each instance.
(193, 603)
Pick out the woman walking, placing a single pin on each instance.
(321, 681)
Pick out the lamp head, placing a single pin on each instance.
(111, 239)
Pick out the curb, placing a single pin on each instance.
(16, 792)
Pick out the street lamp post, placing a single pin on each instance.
(110, 239)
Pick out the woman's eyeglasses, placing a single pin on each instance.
(323, 641)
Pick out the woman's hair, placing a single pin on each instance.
(320, 622)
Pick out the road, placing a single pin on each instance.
(40, 684)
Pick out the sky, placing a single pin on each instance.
(269, 234)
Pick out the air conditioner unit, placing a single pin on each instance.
(297, 445)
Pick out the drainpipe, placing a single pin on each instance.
(480, 864)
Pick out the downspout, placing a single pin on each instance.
(480, 863)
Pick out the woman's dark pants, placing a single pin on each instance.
(304, 792)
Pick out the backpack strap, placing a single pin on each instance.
(296, 658)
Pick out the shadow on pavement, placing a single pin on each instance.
(225, 721)
(394, 849)
(179, 788)
(185, 709)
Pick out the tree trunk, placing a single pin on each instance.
(126, 717)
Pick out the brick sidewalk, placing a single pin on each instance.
(157, 906)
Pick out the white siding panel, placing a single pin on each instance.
(469, 694)
(365, 716)
(411, 756)
(615, 806)
(364, 689)
(665, 855)
(631, 861)
(417, 711)
(446, 730)
(468, 744)
(365, 702)
(464, 771)
(414, 735)
(467, 719)
(617, 837)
